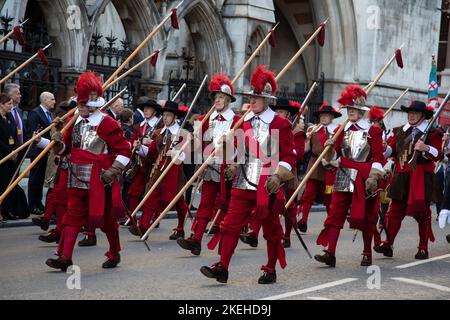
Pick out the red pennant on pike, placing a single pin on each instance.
(42, 57)
(399, 58)
(154, 59)
(272, 38)
(174, 19)
(19, 35)
(321, 36)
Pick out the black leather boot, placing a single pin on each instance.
(366, 260)
(61, 263)
(268, 277)
(385, 249)
(303, 227)
(250, 238)
(286, 243)
(421, 254)
(176, 234)
(448, 238)
(190, 244)
(217, 272)
(41, 222)
(88, 241)
(111, 263)
(326, 258)
(50, 237)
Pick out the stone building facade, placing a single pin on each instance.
(219, 35)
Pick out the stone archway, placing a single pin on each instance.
(213, 47)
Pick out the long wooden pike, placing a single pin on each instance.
(341, 129)
(23, 65)
(47, 149)
(396, 103)
(211, 110)
(213, 153)
(143, 43)
(7, 36)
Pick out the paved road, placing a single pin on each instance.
(168, 272)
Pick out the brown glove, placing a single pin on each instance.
(372, 182)
(59, 145)
(281, 175)
(59, 123)
(108, 176)
(230, 172)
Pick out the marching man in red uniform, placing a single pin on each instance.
(143, 135)
(257, 181)
(322, 179)
(360, 167)
(99, 153)
(215, 187)
(412, 189)
(162, 148)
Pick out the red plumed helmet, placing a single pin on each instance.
(295, 104)
(376, 113)
(264, 82)
(87, 83)
(354, 96)
(220, 83)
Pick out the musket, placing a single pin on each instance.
(305, 104)
(413, 161)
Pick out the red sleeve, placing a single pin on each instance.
(67, 138)
(376, 144)
(435, 140)
(111, 132)
(299, 140)
(286, 144)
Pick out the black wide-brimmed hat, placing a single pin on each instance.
(284, 104)
(419, 106)
(143, 102)
(173, 107)
(327, 108)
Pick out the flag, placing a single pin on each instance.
(433, 88)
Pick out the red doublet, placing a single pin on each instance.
(417, 205)
(212, 193)
(363, 215)
(166, 190)
(99, 206)
(243, 202)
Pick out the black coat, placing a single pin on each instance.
(37, 120)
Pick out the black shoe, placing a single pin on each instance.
(190, 244)
(88, 241)
(303, 227)
(176, 234)
(60, 263)
(385, 249)
(41, 222)
(268, 278)
(50, 238)
(286, 243)
(217, 272)
(326, 258)
(250, 238)
(448, 238)
(366, 261)
(37, 211)
(111, 263)
(9, 216)
(134, 231)
(421, 255)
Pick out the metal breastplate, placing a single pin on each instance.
(84, 137)
(355, 147)
(214, 133)
(249, 173)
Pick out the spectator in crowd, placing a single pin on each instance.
(126, 121)
(12, 90)
(138, 116)
(115, 109)
(38, 119)
(15, 205)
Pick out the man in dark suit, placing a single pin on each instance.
(38, 119)
(115, 109)
(12, 90)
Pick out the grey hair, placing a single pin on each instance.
(9, 87)
(44, 95)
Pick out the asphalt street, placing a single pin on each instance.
(169, 272)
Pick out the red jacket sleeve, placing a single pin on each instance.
(111, 132)
(286, 144)
(299, 140)
(376, 144)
